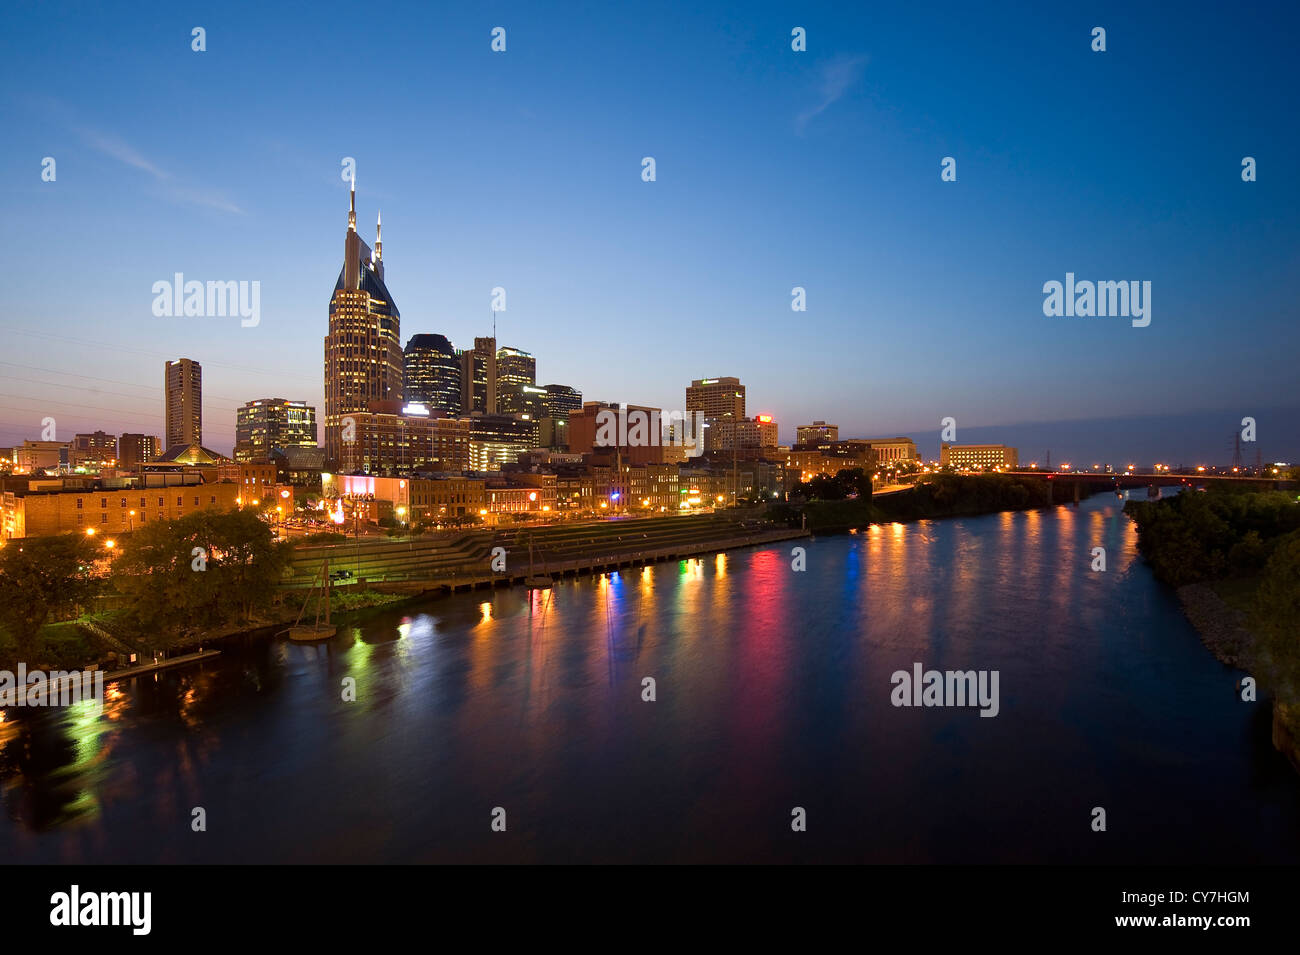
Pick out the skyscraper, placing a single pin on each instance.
(478, 377)
(562, 400)
(266, 424)
(431, 374)
(515, 367)
(184, 384)
(363, 350)
(716, 397)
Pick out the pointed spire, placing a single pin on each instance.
(379, 243)
(352, 212)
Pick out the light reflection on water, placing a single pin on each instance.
(772, 691)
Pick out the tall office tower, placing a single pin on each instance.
(717, 397)
(515, 367)
(431, 374)
(363, 350)
(526, 400)
(263, 425)
(134, 450)
(562, 401)
(478, 377)
(184, 379)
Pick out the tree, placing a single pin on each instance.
(204, 570)
(1277, 617)
(856, 481)
(38, 576)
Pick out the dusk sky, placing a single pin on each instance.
(775, 169)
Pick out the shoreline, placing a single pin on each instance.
(407, 592)
(1223, 631)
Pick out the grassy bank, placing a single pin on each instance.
(1234, 557)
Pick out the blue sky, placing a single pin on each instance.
(775, 169)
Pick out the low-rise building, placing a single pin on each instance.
(978, 456)
(108, 507)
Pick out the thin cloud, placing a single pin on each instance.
(124, 153)
(112, 146)
(836, 79)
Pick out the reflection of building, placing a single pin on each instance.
(431, 374)
(134, 450)
(269, 423)
(184, 384)
(819, 432)
(716, 397)
(363, 350)
(978, 456)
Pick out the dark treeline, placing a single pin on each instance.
(1250, 536)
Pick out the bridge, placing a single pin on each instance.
(1097, 480)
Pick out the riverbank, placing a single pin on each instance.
(1224, 631)
(939, 497)
(1233, 558)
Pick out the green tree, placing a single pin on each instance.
(855, 481)
(205, 570)
(1277, 618)
(39, 576)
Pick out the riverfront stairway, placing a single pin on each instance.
(464, 560)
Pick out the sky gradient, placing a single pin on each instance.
(775, 169)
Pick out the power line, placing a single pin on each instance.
(64, 339)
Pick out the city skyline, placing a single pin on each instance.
(627, 288)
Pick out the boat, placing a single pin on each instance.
(318, 629)
(535, 581)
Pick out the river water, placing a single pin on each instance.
(773, 691)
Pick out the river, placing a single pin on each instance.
(772, 691)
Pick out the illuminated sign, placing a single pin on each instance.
(765, 418)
